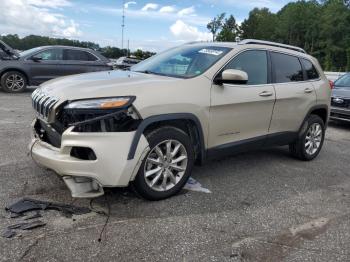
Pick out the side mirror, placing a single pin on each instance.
(36, 58)
(232, 76)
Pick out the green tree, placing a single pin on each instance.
(348, 60)
(215, 25)
(322, 28)
(230, 30)
(261, 24)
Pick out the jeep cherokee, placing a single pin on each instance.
(147, 127)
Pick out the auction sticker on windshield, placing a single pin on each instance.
(210, 52)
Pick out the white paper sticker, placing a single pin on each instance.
(210, 52)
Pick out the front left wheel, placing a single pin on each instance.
(13, 82)
(167, 166)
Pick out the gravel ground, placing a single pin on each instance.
(264, 206)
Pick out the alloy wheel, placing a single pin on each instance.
(165, 165)
(313, 138)
(14, 82)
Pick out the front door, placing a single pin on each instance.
(242, 112)
(44, 65)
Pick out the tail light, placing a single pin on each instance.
(331, 84)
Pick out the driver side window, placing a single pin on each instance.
(254, 63)
(50, 54)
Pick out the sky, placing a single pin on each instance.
(152, 25)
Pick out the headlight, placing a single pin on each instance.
(102, 103)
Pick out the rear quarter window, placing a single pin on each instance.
(310, 69)
(78, 55)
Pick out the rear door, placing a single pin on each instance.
(295, 95)
(240, 112)
(45, 65)
(77, 61)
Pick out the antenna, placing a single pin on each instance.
(123, 24)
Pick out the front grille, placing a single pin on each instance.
(341, 102)
(43, 103)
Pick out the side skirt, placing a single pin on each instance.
(256, 143)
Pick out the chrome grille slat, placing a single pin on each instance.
(43, 103)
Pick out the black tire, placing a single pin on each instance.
(13, 82)
(298, 149)
(156, 138)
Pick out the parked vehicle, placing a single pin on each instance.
(147, 127)
(333, 76)
(37, 65)
(126, 62)
(340, 110)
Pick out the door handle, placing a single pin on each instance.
(308, 90)
(266, 94)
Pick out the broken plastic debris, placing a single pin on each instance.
(27, 225)
(36, 215)
(8, 233)
(27, 204)
(32, 225)
(194, 185)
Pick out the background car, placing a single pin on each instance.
(126, 62)
(340, 110)
(40, 64)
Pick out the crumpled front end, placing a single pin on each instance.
(89, 149)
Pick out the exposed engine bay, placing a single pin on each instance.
(84, 121)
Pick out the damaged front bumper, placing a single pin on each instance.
(86, 176)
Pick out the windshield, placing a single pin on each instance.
(29, 51)
(183, 61)
(344, 81)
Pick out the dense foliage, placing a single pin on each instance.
(32, 41)
(322, 28)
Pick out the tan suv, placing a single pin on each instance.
(147, 127)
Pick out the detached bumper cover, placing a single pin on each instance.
(338, 113)
(110, 169)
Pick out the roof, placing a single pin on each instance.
(64, 46)
(255, 42)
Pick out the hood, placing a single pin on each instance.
(104, 84)
(341, 92)
(8, 50)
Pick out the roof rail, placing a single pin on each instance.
(260, 42)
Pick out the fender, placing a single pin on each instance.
(166, 117)
(322, 106)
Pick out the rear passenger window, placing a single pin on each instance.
(254, 63)
(310, 69)
(286, 68)
(78, 55)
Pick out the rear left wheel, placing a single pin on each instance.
(167, 166)
(310, 142)
(13, 82)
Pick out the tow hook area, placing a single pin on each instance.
(83, 187)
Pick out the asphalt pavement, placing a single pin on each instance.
(263, 206)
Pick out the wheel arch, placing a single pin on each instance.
(319, 110)
(171, 120)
